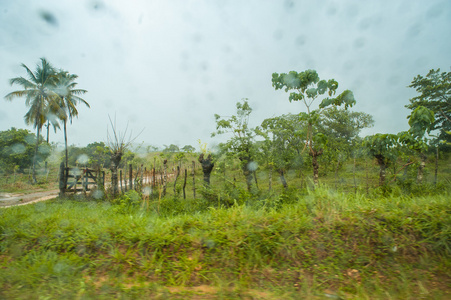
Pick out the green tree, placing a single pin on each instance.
(68, 100)
(17, 149)
(306, 87)
(188, 149)
(74, 154)
(282, 139)
(434, 94)
(342, 125)
(241, 142)
(421, 120)
(171, 148)
(98, 154)
(342, 128)
(383, 147)
(38, 91)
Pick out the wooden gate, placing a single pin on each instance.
(74, 180)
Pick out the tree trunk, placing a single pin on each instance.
(314, 154)
(420, 174)
(114, 181)
(282, 178)
(255, 178)
(62, 180)
(65, 144)
(249, 177)
(207, 167)
(36, 155)
(382, 169)
(436, 166)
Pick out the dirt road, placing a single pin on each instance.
(8, 200)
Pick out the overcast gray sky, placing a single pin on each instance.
(168, 66)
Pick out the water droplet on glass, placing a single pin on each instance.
(18, 148)
(147, 191)
(97, 194)
(83, 159)
(252, 166)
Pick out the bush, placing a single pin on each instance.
(127, 203)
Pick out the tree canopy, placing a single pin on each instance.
(434, 94)
(306, 86)
(17, 149)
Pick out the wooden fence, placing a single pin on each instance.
(82, 180)
(74, 180)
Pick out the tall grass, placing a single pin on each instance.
(310, 244)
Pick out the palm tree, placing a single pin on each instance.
(39, 97)
(68, 100)
(52, 120)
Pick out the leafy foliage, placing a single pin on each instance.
(17, 149)
(382, 145)
(434, 94)
(306, 87)
(241, 144)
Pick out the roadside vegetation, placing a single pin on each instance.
(310, 245)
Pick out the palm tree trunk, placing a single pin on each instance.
(36, 155)
(48, 127)
(65, 144)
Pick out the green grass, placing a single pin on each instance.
(21, 183)
(297, 245)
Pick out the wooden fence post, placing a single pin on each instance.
(175, 181)
(130, 177)
(62, 180)
(184, 184)
(194, 180)
(120, 181)
(142, 177)
(165, 176)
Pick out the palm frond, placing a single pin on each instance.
(30, 73)
(16, 94)
(23, 82)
